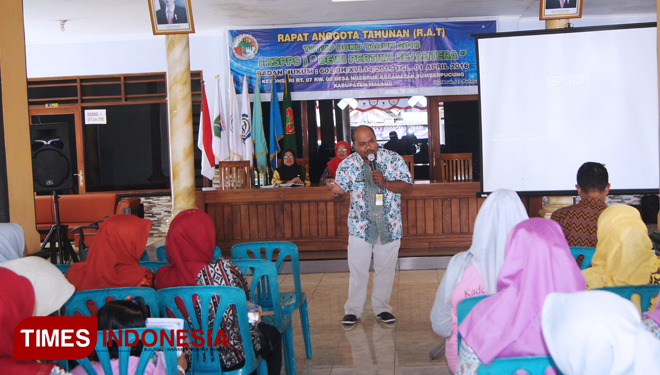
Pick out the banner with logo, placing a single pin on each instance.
(325, 62)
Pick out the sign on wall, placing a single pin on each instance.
(431, 58)
(95, 117)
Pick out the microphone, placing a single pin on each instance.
(372, 158)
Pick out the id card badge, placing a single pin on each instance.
(379, 199)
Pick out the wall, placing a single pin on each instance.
(208, 51)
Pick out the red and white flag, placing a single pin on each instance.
(205, 139)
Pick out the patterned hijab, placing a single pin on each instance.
(334, 163)
(537, 262)
(624, 254)
(17, 296)
(113, 260)
(598, 332)
(189, 245)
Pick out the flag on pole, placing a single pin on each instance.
(275, 125)
(235, 124)
(287, 119)
(205, 139)
(246, 124)
(258, 136)
(220, 133)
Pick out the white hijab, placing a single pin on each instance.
(500, 212)
(51, 288)
(597, 332)
(12, 241)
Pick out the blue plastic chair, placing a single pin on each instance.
(144, 257)
(587, 252)
(533, 365)
(205, 360)
(124, 351)
(645, 293)
(264, 274)
(161, 255)
(78, 301)
(63, 267)
(291, 301)
(153, 265)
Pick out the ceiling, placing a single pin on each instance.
(93, 20)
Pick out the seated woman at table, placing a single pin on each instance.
(290, 172)
(189, 245)
(624, 254)
(474, 272)
(113, 260)
(342, 150)
(537, 262)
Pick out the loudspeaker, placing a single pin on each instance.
(51, 159)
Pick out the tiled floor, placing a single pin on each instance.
(370, 347)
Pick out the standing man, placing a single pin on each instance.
(579, 221)
(374, 221)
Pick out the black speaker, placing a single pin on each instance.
(51, 159)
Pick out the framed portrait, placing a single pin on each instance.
(554, 9)
(171, 17)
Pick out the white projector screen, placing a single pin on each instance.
(551, 101)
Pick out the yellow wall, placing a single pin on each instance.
(17, 120)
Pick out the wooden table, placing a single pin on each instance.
(438, 218)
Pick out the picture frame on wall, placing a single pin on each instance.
(555, 9)
(171, 17)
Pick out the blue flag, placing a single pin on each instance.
(258, 137)
(276, 131)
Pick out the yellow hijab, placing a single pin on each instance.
(623, 253)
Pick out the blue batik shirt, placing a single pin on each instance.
(350, 177)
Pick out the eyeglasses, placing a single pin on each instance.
(342, 150)
(288, 157)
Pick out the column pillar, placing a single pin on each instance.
(16, 119)
(179, 105)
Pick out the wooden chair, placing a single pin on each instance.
(456, 167)
(234, 174)
(410, 162)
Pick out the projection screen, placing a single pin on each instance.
(552, 100)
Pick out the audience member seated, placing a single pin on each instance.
(113, 260)
(624, 254)
(652, 321)
(189, 244)
(290, 172)
(12, 242)
(598, 332)
(474, 272)
(537, 262)
(342, 150)
(41, 290)
(121, 315)
(579, 221)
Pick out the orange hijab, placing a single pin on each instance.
(114, 257)
(334, 163)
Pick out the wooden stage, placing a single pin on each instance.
(438, 218)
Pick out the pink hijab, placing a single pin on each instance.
(189, 245)
(537, 262)
(655, 314)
